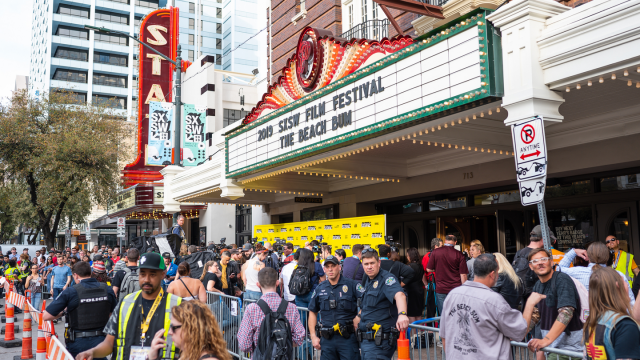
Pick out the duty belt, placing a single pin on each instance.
(374, 332)
(340, 329)
(73, 335)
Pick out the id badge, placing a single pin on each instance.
(138, 353)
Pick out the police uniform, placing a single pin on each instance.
(86, 316)
(337, 306)
(377, 329)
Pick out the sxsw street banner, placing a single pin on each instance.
(194, 123)
(160, 130)
(339, 233)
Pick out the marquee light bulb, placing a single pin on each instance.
(613, 76)
(638, 84)
(629, 83)
(589, 83)
(578, 87)
(601, 80)
(626, 72)
(568, 89)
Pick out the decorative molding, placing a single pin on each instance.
(451, 10)
(300, 15)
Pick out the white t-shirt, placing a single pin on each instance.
(285, 276)
(253, 266)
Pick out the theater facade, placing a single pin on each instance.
(419, 129)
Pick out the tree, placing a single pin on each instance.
(67, 155)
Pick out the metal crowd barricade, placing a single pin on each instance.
(424, 336)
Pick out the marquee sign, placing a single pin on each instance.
(159, 29)
(455, 66)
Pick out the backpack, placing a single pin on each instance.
(300, 283)
(583, 295)
(130, 283)
(521, 267)
(275, 341)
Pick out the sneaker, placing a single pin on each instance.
(439, 344)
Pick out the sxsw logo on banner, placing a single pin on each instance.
(195, 127)
(160, 142)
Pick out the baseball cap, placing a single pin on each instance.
(166, 255)
(537, 232)
(247, 247)
(331, 259)
(152, 261)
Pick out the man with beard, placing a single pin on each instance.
(139, 316)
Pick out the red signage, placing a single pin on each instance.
(159, 29)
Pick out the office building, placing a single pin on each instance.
(244, 34)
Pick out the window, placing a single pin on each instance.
(447, 204)
(218, 28)
(363, 8)
(109, 80)
(110, 59)
(121, 1)
(72, 54)
(319, 214)
(191, 55)
(191, 39)
(350, 15)
(624, 182)
(219, 13)
(496, 198)
(70, 76)
(78, 98)
(230, 116)
(136, 21)
(568, 189)
(112, 17)
(571, 226)
(67, 31)
(200, 40)
(110, 101)
(73, 11)
(218, 60)
(192, 24)
(192, 8)
(218, 43)
(148, 3)
(112, 39)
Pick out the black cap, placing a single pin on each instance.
(152, 261)
(166, 255)
(331, 259)
(247, 247)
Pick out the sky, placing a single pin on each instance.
(15, 25)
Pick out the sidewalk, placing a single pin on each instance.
(9, 353)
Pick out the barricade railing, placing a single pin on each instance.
(424, 336)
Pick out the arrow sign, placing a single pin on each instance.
(524, 156)
(529, 148)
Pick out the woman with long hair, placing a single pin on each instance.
(610, 325)
(34, 283)
(509, 284)
(186, 287)
(316, 274)
(415, 290)
(195, 331)
(209, 278)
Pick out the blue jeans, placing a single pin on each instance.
(56, 292)
(252, 295)
(440, 301)
(303, 301)
(36, 300)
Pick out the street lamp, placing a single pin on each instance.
(177, 102)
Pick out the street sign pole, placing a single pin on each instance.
(544, 225)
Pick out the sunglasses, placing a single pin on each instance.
(368, 250)
(535, 261)
(175, 327)
(610, 240)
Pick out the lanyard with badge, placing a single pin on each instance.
(139, 352)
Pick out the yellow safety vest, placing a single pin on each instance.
(126, 306)
(623, 264)
(10, 273)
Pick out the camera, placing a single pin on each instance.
(388, 240)
(278, 245)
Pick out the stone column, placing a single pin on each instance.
(170, 204)
(526, 94)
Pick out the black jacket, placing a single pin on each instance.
(505, 287)
(402, 272)
(232, 268)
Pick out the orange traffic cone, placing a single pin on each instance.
(41, 347)
(403, 347)
(9, 335)
(27, 344)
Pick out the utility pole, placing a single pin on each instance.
(178, 98)
(70, 233)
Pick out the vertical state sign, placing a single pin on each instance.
(161, 124)
(159, 30)
(195, 127)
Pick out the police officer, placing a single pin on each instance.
(86, 312)
(337, 302)
(384, 310)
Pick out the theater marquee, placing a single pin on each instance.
(406, 82)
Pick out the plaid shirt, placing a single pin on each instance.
(583, 274)
(249, 330)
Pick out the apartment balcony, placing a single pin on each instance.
(451, 9)
(69, 41)
(68, 19)
(371, 30)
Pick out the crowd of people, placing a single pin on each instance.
(584, 300)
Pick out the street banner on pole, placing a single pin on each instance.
(194, 122)
(120, 228)
(161, 123)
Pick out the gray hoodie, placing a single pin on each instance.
(478, 323)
